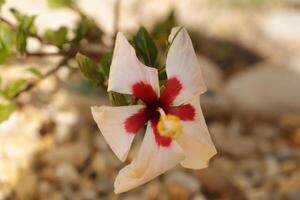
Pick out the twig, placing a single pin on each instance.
(43, 54)
(7, 22)
(34, 83)
(30, 34)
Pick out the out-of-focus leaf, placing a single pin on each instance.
(25, 26)
(6, 110)
(35, 71)
(90, 69)
(25, 22)
(7, 36)
(87, 29)
(6, 42)
(1, 3)
(57, 37)
(105, 63)
(60, 3)
(145, 47)
(162, 29)
(4, 52)
(117, 99)
(15, 87)
(162, 74)
(21, 41)
(81, 30)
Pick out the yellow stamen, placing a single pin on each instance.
(168, 125)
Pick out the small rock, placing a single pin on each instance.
(74, 154)
(211, 73)
(104, 185)
(87, 190)
(267, 91)
(266, 131)
(99, 164)
(238, 146)
(295, 137)
(271, 167)
(290, 186)
(27, 184)
(185, 180)
(218, 184)
(282, 26)
(199, 197)
(289, 122)
(288, 166)
(177, 191)
(67, 174)
(284, 153)
(153, 190)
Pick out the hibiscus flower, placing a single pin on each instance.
(176, 130)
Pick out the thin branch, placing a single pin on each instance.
(43, 54)
(13, 26)
(7, 22)
(34, 83)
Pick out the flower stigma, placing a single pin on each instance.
(168, 125)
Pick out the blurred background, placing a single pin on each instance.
(249, 51)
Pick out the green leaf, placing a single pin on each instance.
(57, 37)
(88, 29)
(25, 22)
(7, 40)
(6, 110)
(117, 99)
(60, 3)
(35, 71)
(90, 69)
(81, 29)
(105, 63)
(6, 34)
(15, 87)
(4, 52)
(1, 3)
(163, 28)
(21, 41)
(145, 47)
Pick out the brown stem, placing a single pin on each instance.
(30, 34)
(43, 54)
(32, 84)
(7, 22)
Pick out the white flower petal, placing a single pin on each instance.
(182, 64)
(196, 141)
(110, 121)
(126, 70)
(152, 161)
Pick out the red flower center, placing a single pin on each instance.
(146, 93)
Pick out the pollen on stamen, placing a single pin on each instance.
(169, 125)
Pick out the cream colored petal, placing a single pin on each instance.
(152, 161)
(126, 69)
(196, 141)
(110, 121)
(182, 63)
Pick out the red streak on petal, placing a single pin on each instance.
(136, 121)
(184, 112)
(172, 90)
(144, 91)
(161, 141)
